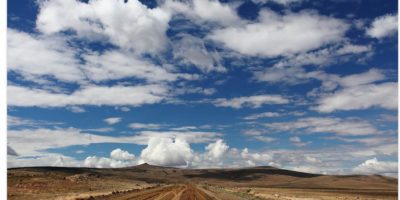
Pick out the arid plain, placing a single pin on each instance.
(154, 182)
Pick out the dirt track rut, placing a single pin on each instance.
(172, 192)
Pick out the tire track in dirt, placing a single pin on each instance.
(175, 192)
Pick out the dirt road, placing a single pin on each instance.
(172, 192)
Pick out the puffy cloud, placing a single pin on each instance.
(338, 126)
(118, 158)
(256, 158)
(119, 154)
(89, 95)
(36, 56)
(383, 26)
(112, 120)
(374, 166)
(360, 97)
(276, 35)
(217, 149)
(130, 25)
(167, 152)
(250, 101)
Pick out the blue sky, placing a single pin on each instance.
(296, 84)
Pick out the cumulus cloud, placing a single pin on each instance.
(360, 97)
(256, 158)
(217, 149)
(167, 152)
(129, 25)
(119, 154)
(374, 166)
(338, 126)
(383, 26)
(274, 34)
(118, 158)
(112, 120)
(250, 101)
(89, 95)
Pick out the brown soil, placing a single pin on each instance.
(153, 182)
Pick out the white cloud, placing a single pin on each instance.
(36, 56)
(383, 26)
(130, 25)
(119, 154)
(49, 159)
(192, 50)
(114, 64)
(167, 152)
(360, 97)
(374, 166)
(281, 2)
(353, 49)
(144, 126)
(298, 142)
(31, 142)
(264, 138)
(89, 95)
(367, 77)
(76, 109)
(118, 158)
(262, 115)
(338, 126)
(217, 149)
(276, 34)
(13, 121)
(256, 158)
(205, 11)
(250, 101)
(112, 120)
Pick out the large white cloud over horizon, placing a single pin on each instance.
(129, 25)
(217, 149)
(374, 166)
(167, 152)
(276, 35)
